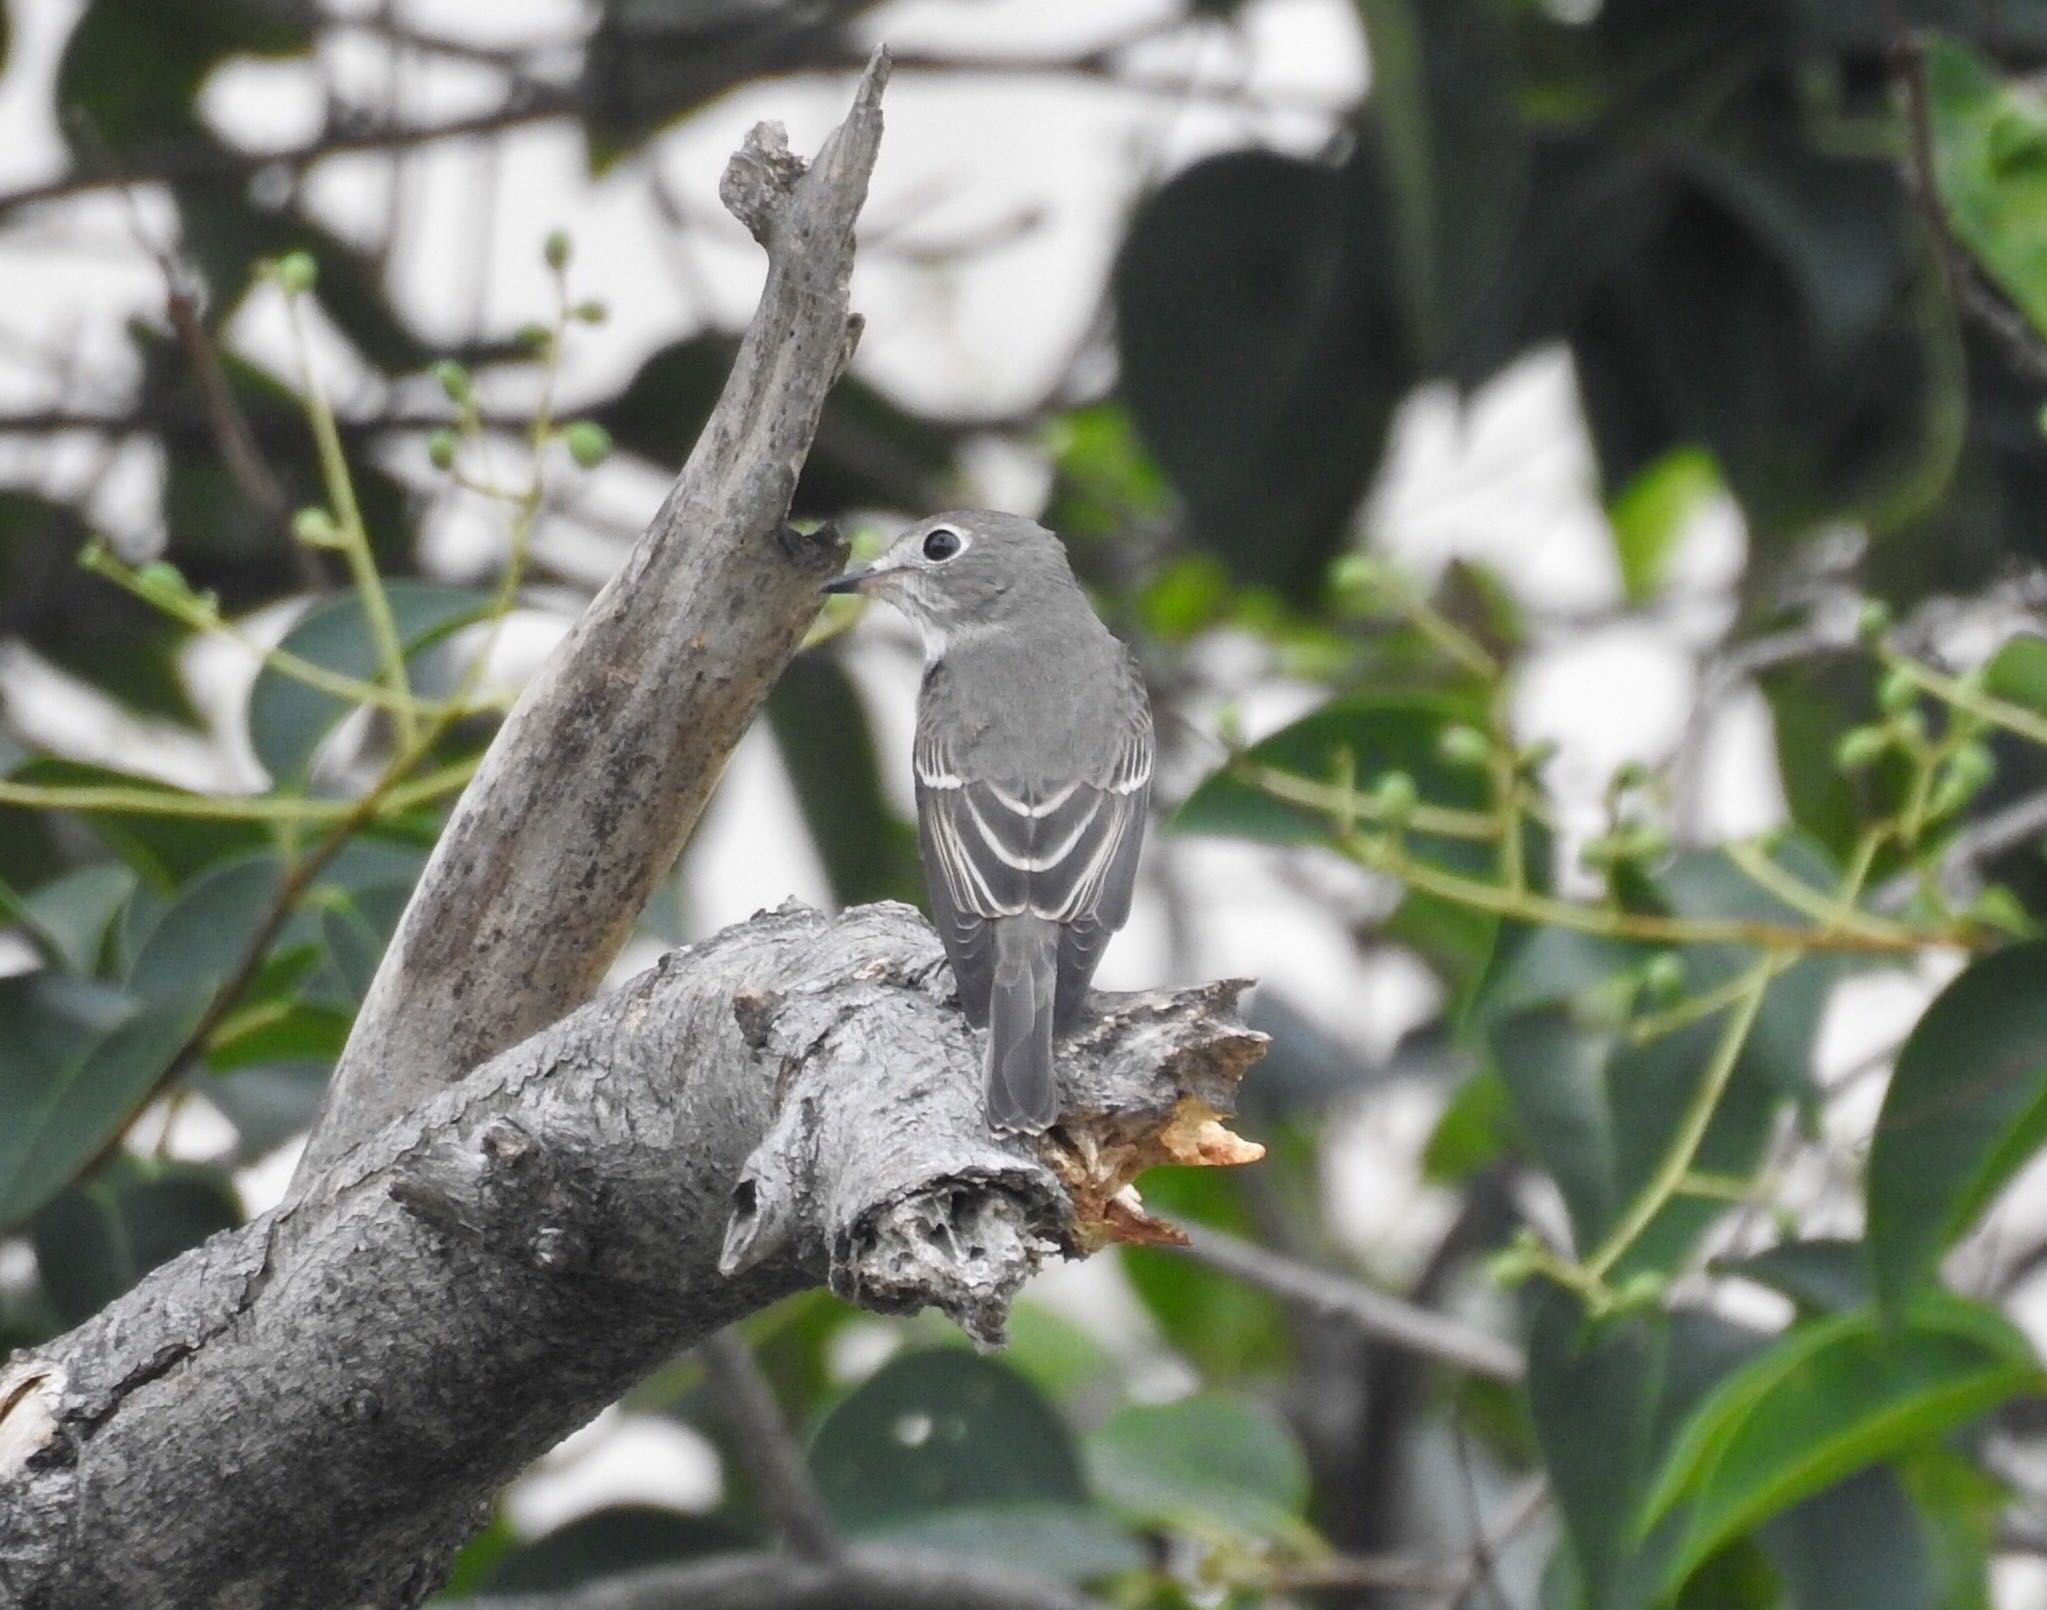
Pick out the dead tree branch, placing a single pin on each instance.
(315, 1410)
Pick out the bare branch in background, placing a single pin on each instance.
(1449, 1341)
(763, 1443)
(870, 1579)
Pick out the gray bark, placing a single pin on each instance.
(603, 767)
(316, 1409)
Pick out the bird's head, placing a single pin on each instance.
(964, 569)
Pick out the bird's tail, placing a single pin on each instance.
(1023, 1091)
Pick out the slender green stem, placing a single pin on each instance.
(1615, 923)
(1337, 801)
(228, 807)
(1691, 1130)
(203, 615)
(354, 539)
(1654, 1025)
(2013, 718)
(1507, 794)
(1816, 903)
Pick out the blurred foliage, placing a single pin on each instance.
(1794, 250)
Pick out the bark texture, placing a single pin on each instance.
(603, 767)
(316, 1409)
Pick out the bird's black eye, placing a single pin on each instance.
(941, 545)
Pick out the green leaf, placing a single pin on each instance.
(947, 1449)
(1966, 1109)
(85, 625)
(166, 850)
(75, 1062)
(1394, 732)
(70, 915)
(1856, 1544)
(605, 1542)
(1220, 1325)
(1262, 334)
(828, 745)
(1990, 166)
(1821, 1276)
(1650, 513)
(1828, 1398)
(202, 937)
(135, 72)
(1218, 1466)
(2017, 673)
(1053, 1539)
(288, 720)
(95, 1240)
(1603, 1396)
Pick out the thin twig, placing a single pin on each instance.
(767, 1448)
(1374, 1312)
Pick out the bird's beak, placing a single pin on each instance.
(852, 581)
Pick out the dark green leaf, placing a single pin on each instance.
(1990, 166)
(2017, 673)
(940, 1430)
(288, 719)
(96, 1239)
(84, 624)
(134, 73)
(167, 850)
(828, 745)
(1604, 1396)
(1966, 1108)
(1057, 1539)
(1214, 1465)
(1858, 1543)
(1261, 333)
(71, 914)
(1821, 1276)
(75, 1063)
(206, 932)
(1828, 1398)
(618, 1538)
(1382, 733)
(1220, 1324)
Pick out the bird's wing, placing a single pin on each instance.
(1065, 851)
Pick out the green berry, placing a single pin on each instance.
(1600, 854)
(1663, 979)
(590, 312)
(454, 381)
(1872, 620)
(1972, 765)
(589, 443)
(1860, 747)
(533, 335)
(160, 579)
(1898, 692)
(556, 249)
(1629, 776)
(1396, 796)
(297, 272)
(315, 528)
(1643, 841)
(440, 449)
(1464, 746)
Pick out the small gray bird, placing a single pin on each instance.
(1033, 760)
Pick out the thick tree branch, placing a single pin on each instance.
(316, 1409)
(602, 768)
